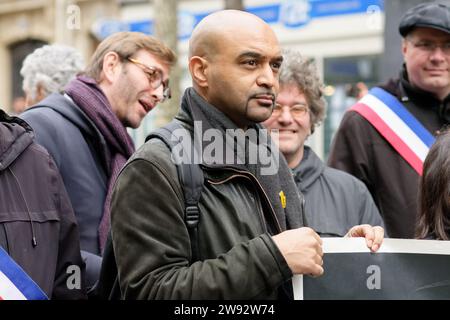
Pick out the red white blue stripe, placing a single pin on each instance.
(15, 284)
(397, 125)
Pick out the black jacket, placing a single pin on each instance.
(360, 150)
(34, 207)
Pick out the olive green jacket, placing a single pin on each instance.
(238, 258)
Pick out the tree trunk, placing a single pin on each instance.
(234, 4)
(166, 29)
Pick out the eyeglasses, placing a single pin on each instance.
(297, 110)
(429, 47)
(155, 77)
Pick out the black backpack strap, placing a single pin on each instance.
(191, 179)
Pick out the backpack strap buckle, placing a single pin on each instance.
(192, 216)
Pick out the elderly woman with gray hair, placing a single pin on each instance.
(334, 200)
(48, 69)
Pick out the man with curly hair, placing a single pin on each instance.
(334, 200)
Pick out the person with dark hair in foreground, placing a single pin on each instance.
(434, 201)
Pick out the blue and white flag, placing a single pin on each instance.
(16, 284)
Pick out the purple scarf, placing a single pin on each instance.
(90, 98)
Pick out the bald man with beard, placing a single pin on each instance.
(251, 238)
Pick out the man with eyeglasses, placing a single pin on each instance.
(155, 78)
(334, 201)
(384, 139)
(84, 129)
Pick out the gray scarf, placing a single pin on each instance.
(273, 180)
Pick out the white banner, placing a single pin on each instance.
(401, 269)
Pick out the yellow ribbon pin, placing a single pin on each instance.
(282, 199)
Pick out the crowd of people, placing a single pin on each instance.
(75, 192)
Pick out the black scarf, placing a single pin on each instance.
(273, 181)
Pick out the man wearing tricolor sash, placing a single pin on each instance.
(384, 138)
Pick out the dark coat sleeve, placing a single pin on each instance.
(351, 150)
(70, 267)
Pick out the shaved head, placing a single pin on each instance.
(214, 29)
(234, 59)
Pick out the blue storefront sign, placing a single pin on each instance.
(288, 13)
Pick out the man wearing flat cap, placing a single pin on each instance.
(384, 138)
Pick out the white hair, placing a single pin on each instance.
(51, 67)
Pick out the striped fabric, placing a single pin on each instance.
(397, 125)
(15, 284)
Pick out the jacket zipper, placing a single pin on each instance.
(244, 174)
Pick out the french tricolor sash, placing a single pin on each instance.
(15, 284)
(397, 125)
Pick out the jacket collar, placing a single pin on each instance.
(308, 170)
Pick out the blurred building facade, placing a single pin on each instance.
(344, 37)
(28, 24)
